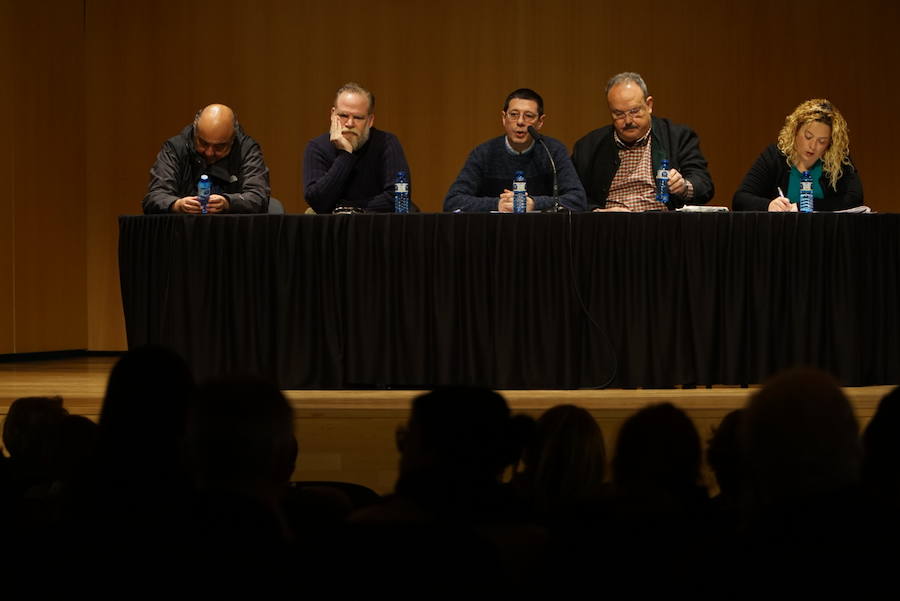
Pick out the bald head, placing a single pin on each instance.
(214, 132)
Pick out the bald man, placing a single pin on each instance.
(214, 145)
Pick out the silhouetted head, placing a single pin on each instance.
(240, 435)
(566, 464)
(31, 432)
(463, 430)
(143, 415)
(881, 447)
(800, 437)
(724, 453)
(658, 447)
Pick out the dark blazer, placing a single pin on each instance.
(771, 170)
(596, 160)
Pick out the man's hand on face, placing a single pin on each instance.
(337, 137)
(506, 202)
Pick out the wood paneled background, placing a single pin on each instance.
(91, 88)
(44, 233)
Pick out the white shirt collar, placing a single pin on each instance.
(515, 152)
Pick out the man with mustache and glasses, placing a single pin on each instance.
(214, 145)
(354, 165)
(618, 163)
(485, 182)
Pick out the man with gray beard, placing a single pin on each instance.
(354, 165)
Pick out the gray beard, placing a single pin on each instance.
(361, 140)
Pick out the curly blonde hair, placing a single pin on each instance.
(838, 153)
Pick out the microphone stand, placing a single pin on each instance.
(557, 207)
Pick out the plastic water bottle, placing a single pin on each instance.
(520, 196)
(662, 182)
(806, 192)
(401, 193)
(204, 188)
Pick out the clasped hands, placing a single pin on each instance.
(191, 204)
(506, 202)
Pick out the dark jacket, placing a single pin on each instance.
(596, 159)
(771, 170)
(242, 177)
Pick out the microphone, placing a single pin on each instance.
(556, 208)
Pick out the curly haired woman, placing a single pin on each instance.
(814, 138)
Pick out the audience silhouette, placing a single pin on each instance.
(451, 520)
(201, 476)
(564, 468)
(805, 520)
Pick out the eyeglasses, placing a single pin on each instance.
(633, 113)
(526, 117)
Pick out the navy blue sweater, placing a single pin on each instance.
(363, 179)
(490, 169)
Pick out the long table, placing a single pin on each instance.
(546, 301)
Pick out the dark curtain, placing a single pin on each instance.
(517, 301)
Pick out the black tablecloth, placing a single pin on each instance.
(517, 301)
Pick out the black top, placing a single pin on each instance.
(771, 170)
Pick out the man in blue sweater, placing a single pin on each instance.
(485, 182)
(354, 165)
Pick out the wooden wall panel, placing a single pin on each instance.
(125, 104)
(7, 214)
(47, 140)
(730, 69)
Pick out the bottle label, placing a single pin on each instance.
(806, 186)
(401, 187)
(518, 186)
(662, 174)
